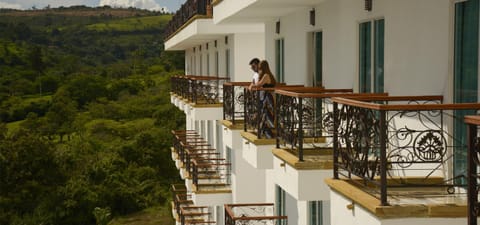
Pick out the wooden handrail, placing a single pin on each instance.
(260, 217)
(473, 119)
(206, 165)
(237, 84)
(213, 159)
(401, 98)
(317, 89)
(405, 107)
(249, 204)
(194, 207)
(209, 78)
(329, 93)
(229, 207)
(278, 87)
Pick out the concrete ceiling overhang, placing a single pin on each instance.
(201, 31)
(255, 11)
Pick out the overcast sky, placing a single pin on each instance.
(171, 5)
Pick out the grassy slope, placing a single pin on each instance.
(130, 24)
(151, 216)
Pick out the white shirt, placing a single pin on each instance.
(255, 77)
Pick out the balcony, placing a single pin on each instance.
(211, 181)
(239, 214)
(393, 155)
(259, 126)
(207, 176)
(233, 113)
(199, 215)
(233, 103)
(473, 123)
(192, 25)
(180, 199)
(189, 11)
(200, 97)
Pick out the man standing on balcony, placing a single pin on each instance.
(254, 66)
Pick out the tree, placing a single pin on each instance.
(61, 114)
(29, 178)
(86, 88)
(47, 83)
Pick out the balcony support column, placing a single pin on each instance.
(336, 121)
(232, 91)
(383, 158)
(246, 119)
(277, 122)
(260, 114)
(472, 175)
(300, 129)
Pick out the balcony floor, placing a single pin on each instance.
(404, 202)
(320, 160)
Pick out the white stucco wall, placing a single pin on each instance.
(417, 44)
(359, 216)
(248, 183)
(246, 47)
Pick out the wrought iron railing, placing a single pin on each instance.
(397, 141)
(259, 110)
(197, 153)
(207, 90)
(184, 139)
(211, 174)
(256, 111)
(305, 117)
(200, 161)
(180, 197)
(186, 12)
(245, 214)
(199, 89)
(175, 84)
(233, 101)
(473, 179)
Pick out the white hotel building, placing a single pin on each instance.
(367, 128)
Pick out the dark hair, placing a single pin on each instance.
(254, 61)
(266, 70)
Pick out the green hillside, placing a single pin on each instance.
(85, 116)
(129, 24)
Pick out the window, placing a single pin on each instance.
(465, 74)
(280, 204)
(192, 67)
(219, 213)
(371, 56)
(216, 63)
(280, 60)
(201, 64)
(202, 129)
(227, 64)
(315, 211)
(318, 60)
(210, 132)
(219, 138)
(208, 64)
(228, 157)
(317, 70)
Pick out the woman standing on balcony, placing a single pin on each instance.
(267, 117)
(266, 78)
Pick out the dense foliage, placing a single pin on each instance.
(85, 116)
